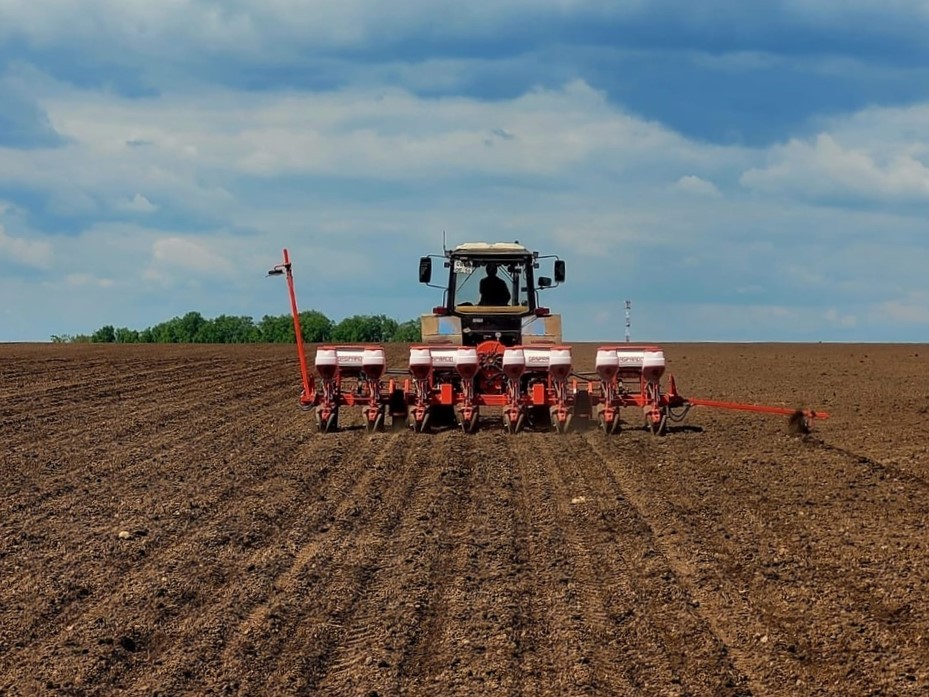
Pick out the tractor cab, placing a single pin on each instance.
(491, 293)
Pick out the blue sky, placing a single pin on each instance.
(740, 171)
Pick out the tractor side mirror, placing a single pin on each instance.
(559, 271)
(425, 269)
(545, 282)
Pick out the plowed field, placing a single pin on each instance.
(170, 523)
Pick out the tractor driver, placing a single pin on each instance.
(493, 288)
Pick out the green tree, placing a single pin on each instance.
(189, 326)
(227, 329)
(104, 335)
(364, 329)
(125, 335)
(170, 332)
(315, 326)
(408, 332)
(277, 329)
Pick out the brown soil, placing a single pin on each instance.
(170, 523)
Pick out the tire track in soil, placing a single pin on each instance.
(621, 463)
(66, 599)
(759, 602)
(97, 380)
(562, 630)
(628, 621)
(142, 429)
(78, 614)
(401, 614)
(473, 636)
(95, 514)
(248, 606)
(886, 469)
(126, 410)
(314, 605)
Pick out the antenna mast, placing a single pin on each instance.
(628, 321)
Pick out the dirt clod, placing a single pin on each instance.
(797, 423)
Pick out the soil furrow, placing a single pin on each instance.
(143, 506)
(394, 622)
(635, 598)
(750, 573)
(471, 642)
(311, 603)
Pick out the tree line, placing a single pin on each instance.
(194, 328)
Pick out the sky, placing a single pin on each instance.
(738, 171)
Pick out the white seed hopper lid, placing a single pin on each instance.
(326, 356)
(466, 355)
(420, 356)
(607, 358)
(374, 356)
(514, 356)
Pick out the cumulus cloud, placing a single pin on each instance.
(245, 26)
(33, 253)
(197, 147)
(82, 280)
(693, 184)
(834, 317)
(824, 167)
(182, 254)
(23, 123)
(364, 179)
(137, 204)
(912, 309)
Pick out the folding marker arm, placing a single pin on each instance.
(284, 268)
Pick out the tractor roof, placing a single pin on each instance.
(490, 248)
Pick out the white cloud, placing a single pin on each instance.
(268, 31)
(834, 317)
(35, 253)
(189, 151)
(693, 184)
(183, 254)
(136, 204)
(278, 26)
(825, 167)
(81, 280)
(912, 309)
